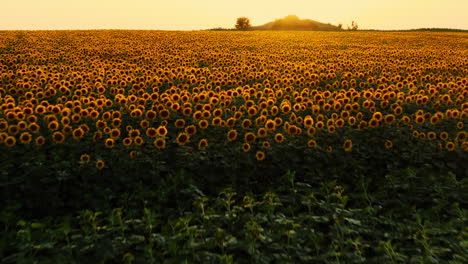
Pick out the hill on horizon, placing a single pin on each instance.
(292, 22)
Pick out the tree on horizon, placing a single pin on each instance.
(243, 23)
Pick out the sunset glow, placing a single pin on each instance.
(205, 14)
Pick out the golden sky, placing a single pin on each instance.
(204, 14)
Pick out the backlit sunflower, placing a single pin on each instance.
(203, 143)
(450, 146)
(270, 125)
(388, 144)
(40, 141)
(444, 135)
(25, 138)
(179, 123)
(109, 143)
(77, 133)
(312, 143)
(348, 145)
(161, 131)
(127, 141)
(138, 140)
(246, 147)
(260, 155)
(232, 135)
(85, 158)
(279, 138)
(246, 123)
(249, 137)
(10, 141)
(58, 137)
(100, 164)
(203, 124)
(182, 138)
(160, 143)
(191, 130)
(151, 132)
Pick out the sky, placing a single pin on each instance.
(205, 14)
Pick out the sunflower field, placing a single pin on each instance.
(233, 147)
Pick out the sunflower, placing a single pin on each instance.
(150, 115)
(138, 140)
(431, 135)
(285, 108)
(10, 141)
(133, 154)
(151, 132)
(191, 130)
(308, 121)
(231, 122)
(232, 135)
(319, 125)
(58, 137)
(183, 138)
(249, 137)
(40, 141)
(76, 118)
(161, 131)
(164, 114)
(78, 133)
(419, 119)
(115, 133)
(116, 122)
(33, 128)
(444, 135)
(203, 124)
(13, 130)
(388, 119)
(159, 143)
(216, 121)
(206, 114)
(331, 129)
(260, 155)
(203, 143)
(450, 146)
(339, 122)
(109, 143)
(465, 146)
(11, 116)
(373, 123)
(270, 125)
(279, 138)
(329, 149)
(246, 123)
(97, 135)
(461, 136)
(3, 125)
(246, 147)
(100, 164)
(127, 141)
(262, 132)
(292, 130)
(348, 145)
(266, 144)
(25, 138)
(460, 125)
(312, 143)
(179, 123)
(85, 158)
(388, 144)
